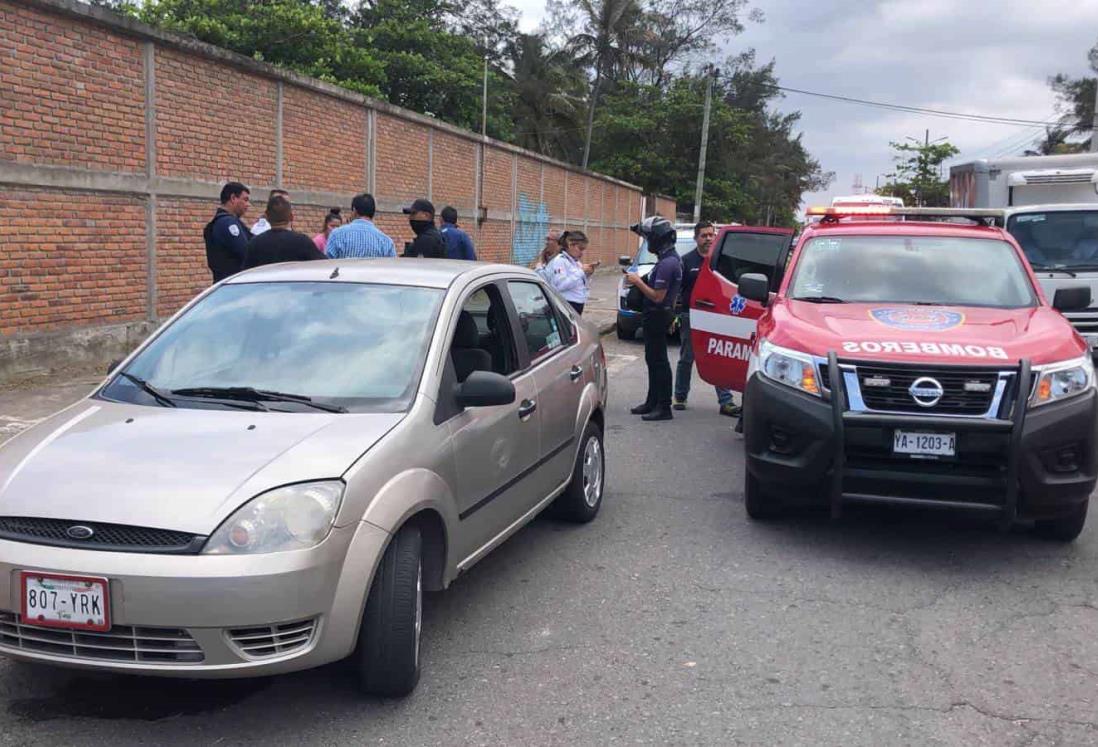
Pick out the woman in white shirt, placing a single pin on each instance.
(569, 274)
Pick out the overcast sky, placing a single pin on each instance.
(987, 57)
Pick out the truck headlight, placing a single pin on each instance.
(293, 517)
(789, 367)
(1059, 381)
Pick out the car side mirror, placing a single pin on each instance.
(485, 389)
(1075, 298)
(625, 260)
(113, 365)
(754, 286)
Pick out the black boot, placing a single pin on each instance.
(661, 413)
(643, 409)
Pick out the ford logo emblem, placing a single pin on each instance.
(926, 391)
(80, 532)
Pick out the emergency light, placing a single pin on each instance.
(833, 214)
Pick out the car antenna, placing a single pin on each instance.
(335, 274)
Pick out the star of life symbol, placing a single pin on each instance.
(739, 303)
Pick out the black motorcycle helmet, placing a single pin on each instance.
(657, 231)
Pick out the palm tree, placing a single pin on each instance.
(610, 26)
(548, 89)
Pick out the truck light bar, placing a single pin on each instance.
(978, 215)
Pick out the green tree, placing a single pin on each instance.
(548, 89)
(1075, 100)
(918, 173)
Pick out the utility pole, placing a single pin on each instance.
(704, 145)
(1094, 124)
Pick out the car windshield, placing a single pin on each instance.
(351, 346)
(1058, 240)
(683, 246)
(941, 270)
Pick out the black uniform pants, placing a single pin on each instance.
(655, 322)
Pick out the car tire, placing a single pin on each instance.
(387, 656)
(1063, 528)
(759, 503)
(625, 333)
(581, 500)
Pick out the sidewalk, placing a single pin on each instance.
(602, 305)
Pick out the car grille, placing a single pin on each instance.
(113, 537)
(122, 644)
(273, 640)
(895, 397)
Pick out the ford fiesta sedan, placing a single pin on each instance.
(271, 481)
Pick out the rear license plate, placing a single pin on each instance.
(60, 601)
(924, 444)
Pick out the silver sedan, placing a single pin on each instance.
(271, 481)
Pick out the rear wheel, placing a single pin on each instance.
(1063, 528)
(387, 656)
(581, 500)
(760, 504)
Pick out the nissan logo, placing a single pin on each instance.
(926, 391)
(80, 532)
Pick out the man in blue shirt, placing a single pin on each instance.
(226, 236)
(660, 293)
(458, 243)
(360, 239)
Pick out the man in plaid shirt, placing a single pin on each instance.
(360, 239)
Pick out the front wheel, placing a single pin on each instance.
(625, 333)
(387, 657)
(581, 500)
(1063, 528)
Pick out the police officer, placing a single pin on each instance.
(660, 292)
(226, 236)
(429, 241)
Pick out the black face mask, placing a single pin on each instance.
(419, 226)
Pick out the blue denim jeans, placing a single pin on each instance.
(685, 367)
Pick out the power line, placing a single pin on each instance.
(912, 109)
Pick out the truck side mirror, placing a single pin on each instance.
(1074, 298)
(755, 287)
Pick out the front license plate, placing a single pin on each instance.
(60, 601)
(924, 444)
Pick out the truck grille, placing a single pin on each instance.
(967, 391)
(111, 537)
(122, 644)
(1084, 321)
(273, 640)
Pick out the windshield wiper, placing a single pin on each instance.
(258, 396)
(1056, 268)
(819, 299)
(161, 398)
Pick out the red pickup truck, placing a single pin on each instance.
(902, 361)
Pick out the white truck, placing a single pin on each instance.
(1050, 206)
(1025, 180)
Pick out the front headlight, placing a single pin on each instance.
(1059, 381)
(294, 517)
(789, 367)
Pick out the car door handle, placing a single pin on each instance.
(526, 409)
(702, 303)
(575, 373)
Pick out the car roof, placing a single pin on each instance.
(1055, 208)
(904, 228)
(410, 271)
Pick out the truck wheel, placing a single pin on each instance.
(1063, 528)
(760, 504)
(581, 500)
(387, 657)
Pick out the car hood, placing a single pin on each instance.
(172, 468)
(942, 334)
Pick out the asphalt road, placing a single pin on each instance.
(673, 619)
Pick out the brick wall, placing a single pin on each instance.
(87, 195)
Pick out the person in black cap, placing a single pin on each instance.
(429, 241)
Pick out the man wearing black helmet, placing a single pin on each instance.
(659, 291)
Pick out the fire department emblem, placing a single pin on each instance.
(916, 319)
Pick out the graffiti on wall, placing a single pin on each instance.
(530, 229)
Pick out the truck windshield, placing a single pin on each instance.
(1058, 240)
(938, 270)
(683, 245)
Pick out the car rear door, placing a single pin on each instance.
(722, 322)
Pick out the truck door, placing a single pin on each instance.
(722, 323)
